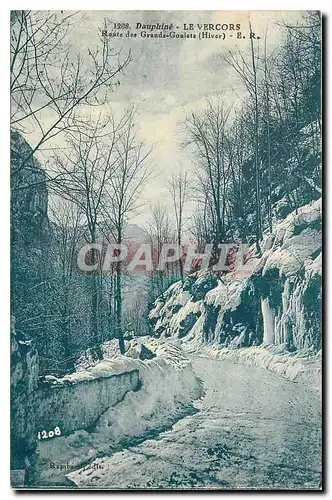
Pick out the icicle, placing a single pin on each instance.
(268, 321)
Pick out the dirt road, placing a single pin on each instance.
(252, 429)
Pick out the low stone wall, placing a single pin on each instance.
(77, 404)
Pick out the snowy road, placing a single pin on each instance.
(253, 429)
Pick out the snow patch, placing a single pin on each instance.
(169, 386)
(303, 366)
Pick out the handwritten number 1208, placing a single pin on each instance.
(49, 434)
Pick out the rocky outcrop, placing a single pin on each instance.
(277, 302)
(29, 198)
(23, 426)
(140, 351)
(30, 238)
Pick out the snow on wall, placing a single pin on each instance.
(77, 400)
(278, 303)
(169, 386)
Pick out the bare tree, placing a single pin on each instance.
(68, 232)
(178, 188)
(267, 113)
(259, 232)
(160, 226)
(202, 227)
(88, 168)
(206, 131)
(123, 198)
(239, 139)
(248, 71)
(50, 83)
(161, 231)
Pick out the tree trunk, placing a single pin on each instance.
(257, 170)
(94, 308)
(118, 295)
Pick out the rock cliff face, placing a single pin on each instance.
(278, 302)
(29, 192)
(24, 383)
(29, 228)
(30, 234)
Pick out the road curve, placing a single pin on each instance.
(252, 430)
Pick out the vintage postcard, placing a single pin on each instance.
(166, 239)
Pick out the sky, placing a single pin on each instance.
(169, 78)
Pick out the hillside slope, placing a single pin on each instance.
(277, 303)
